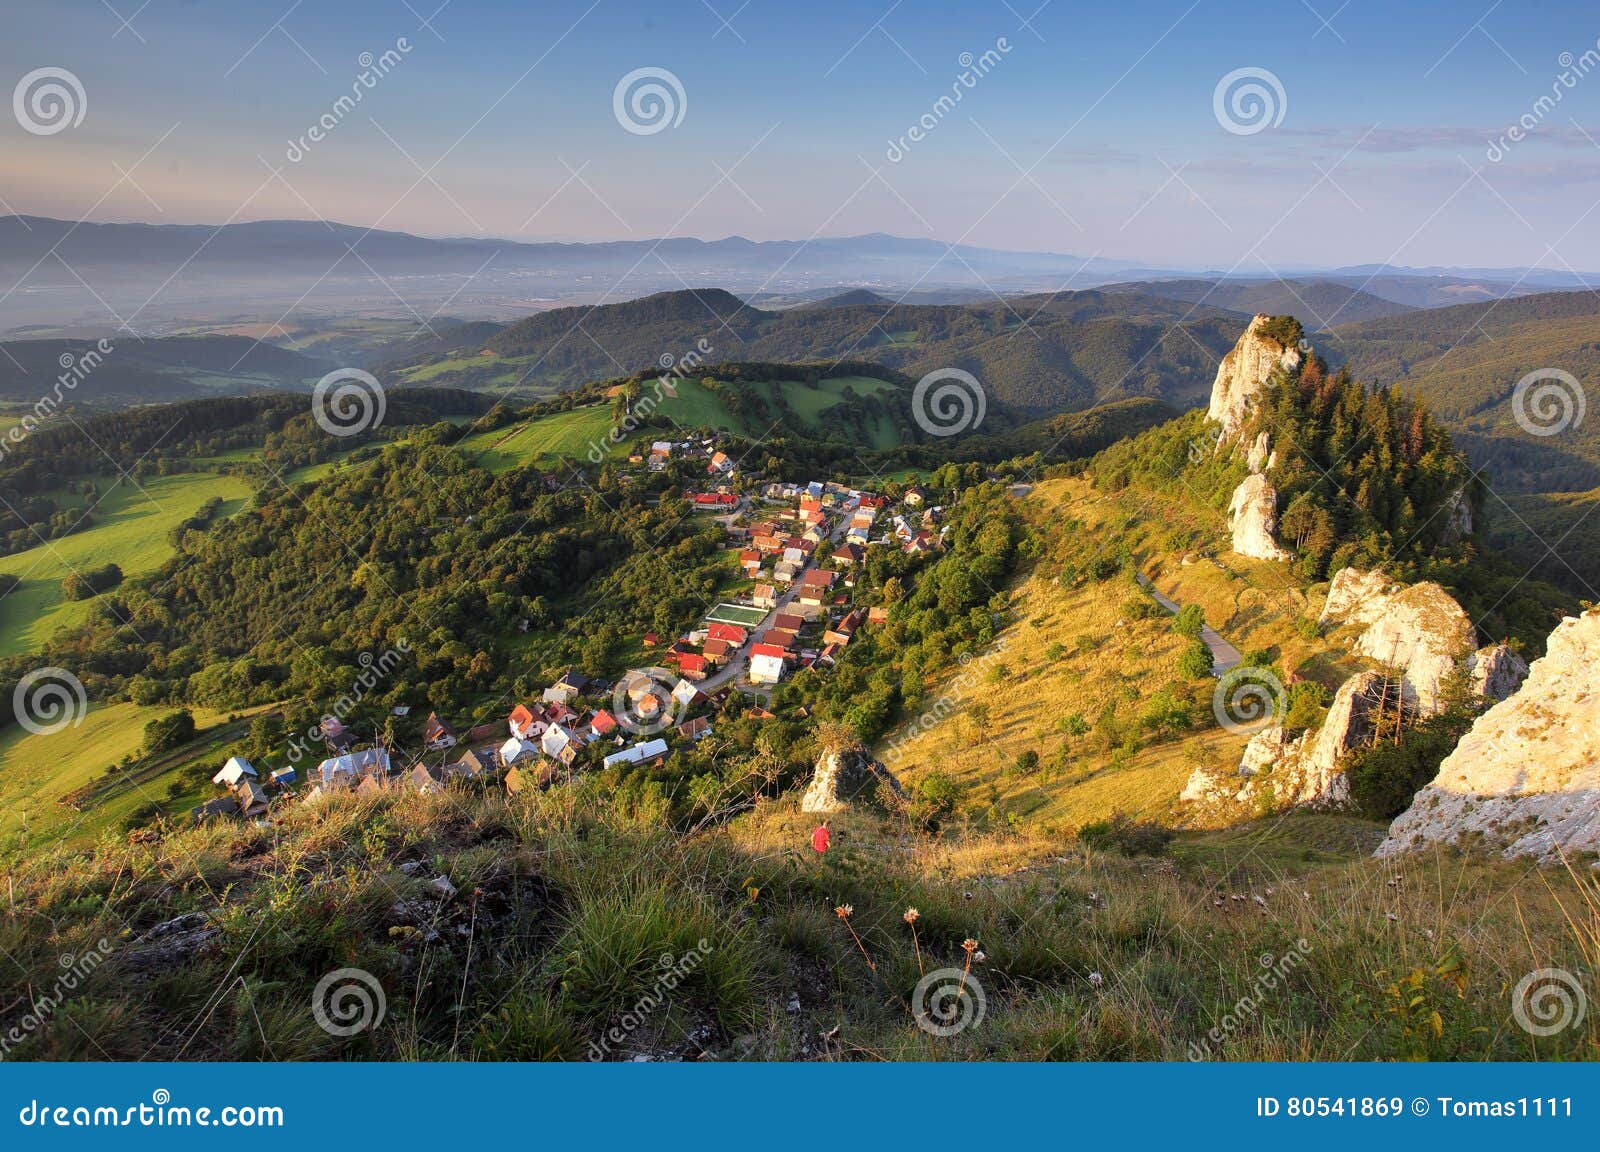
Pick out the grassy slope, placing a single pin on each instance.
(568, 433)
(130, 527)
(572, 905)
(1107, 658)
(37, 770)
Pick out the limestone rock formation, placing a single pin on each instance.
(1261, 457)
(839, 773)
(1244, 372)
(1496, 671)
(1419, 629)
(822, 794)
(1525, 780)
(1357, 597)
(1253, 517)
(1301, 771)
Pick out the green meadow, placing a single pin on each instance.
(129, 526)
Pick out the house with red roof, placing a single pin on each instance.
(731, 633)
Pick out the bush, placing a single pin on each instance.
(1195, 661)
(1189, 621)
(167, 732)
(1126, 835)
(87, 585)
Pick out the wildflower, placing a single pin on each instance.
(978, 957)
(1097, 980)
(969, 946)
(910, 918)
(844, 912)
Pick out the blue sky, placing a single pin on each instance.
(1093, 133)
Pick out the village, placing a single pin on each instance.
(791, 605)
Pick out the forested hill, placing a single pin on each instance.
(1466, 362)
(123, 370)
(1037, 354)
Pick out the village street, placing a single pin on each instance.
(734, 669)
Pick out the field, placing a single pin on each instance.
(130, 526)
(736, 614)
(562, 433)
(36, 771)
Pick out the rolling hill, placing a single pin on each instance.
(1035, 354)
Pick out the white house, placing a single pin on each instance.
(235, 770)
(555, 739)
(765, 668)
(517, 749)
(646, 751)
(340, 771)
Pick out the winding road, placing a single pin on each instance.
(1223, 655)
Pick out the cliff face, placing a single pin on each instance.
(1253, 517)
(1419, 630)
(1525, 780)
(1244, 372)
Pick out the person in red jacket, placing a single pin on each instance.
(819, 838)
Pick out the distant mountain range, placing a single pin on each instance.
(153, 276)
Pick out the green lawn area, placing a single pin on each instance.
(36, 771)
(130, 529)
(695, 406)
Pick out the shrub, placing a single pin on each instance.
(1189, 621)
(1195, 661)
(168, 732)
(1126, 835)
(1385, 777)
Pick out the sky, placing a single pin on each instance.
(1088, 128)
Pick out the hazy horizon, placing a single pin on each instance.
(1349, 134)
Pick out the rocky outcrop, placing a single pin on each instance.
(1244, 372)
(1261, 456)
(1357, 597)
(1419, 629)
(839, 774)
(1496, 671)
(1525, 780)
(1278, 772)
(822, 794)
(1253, 517)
